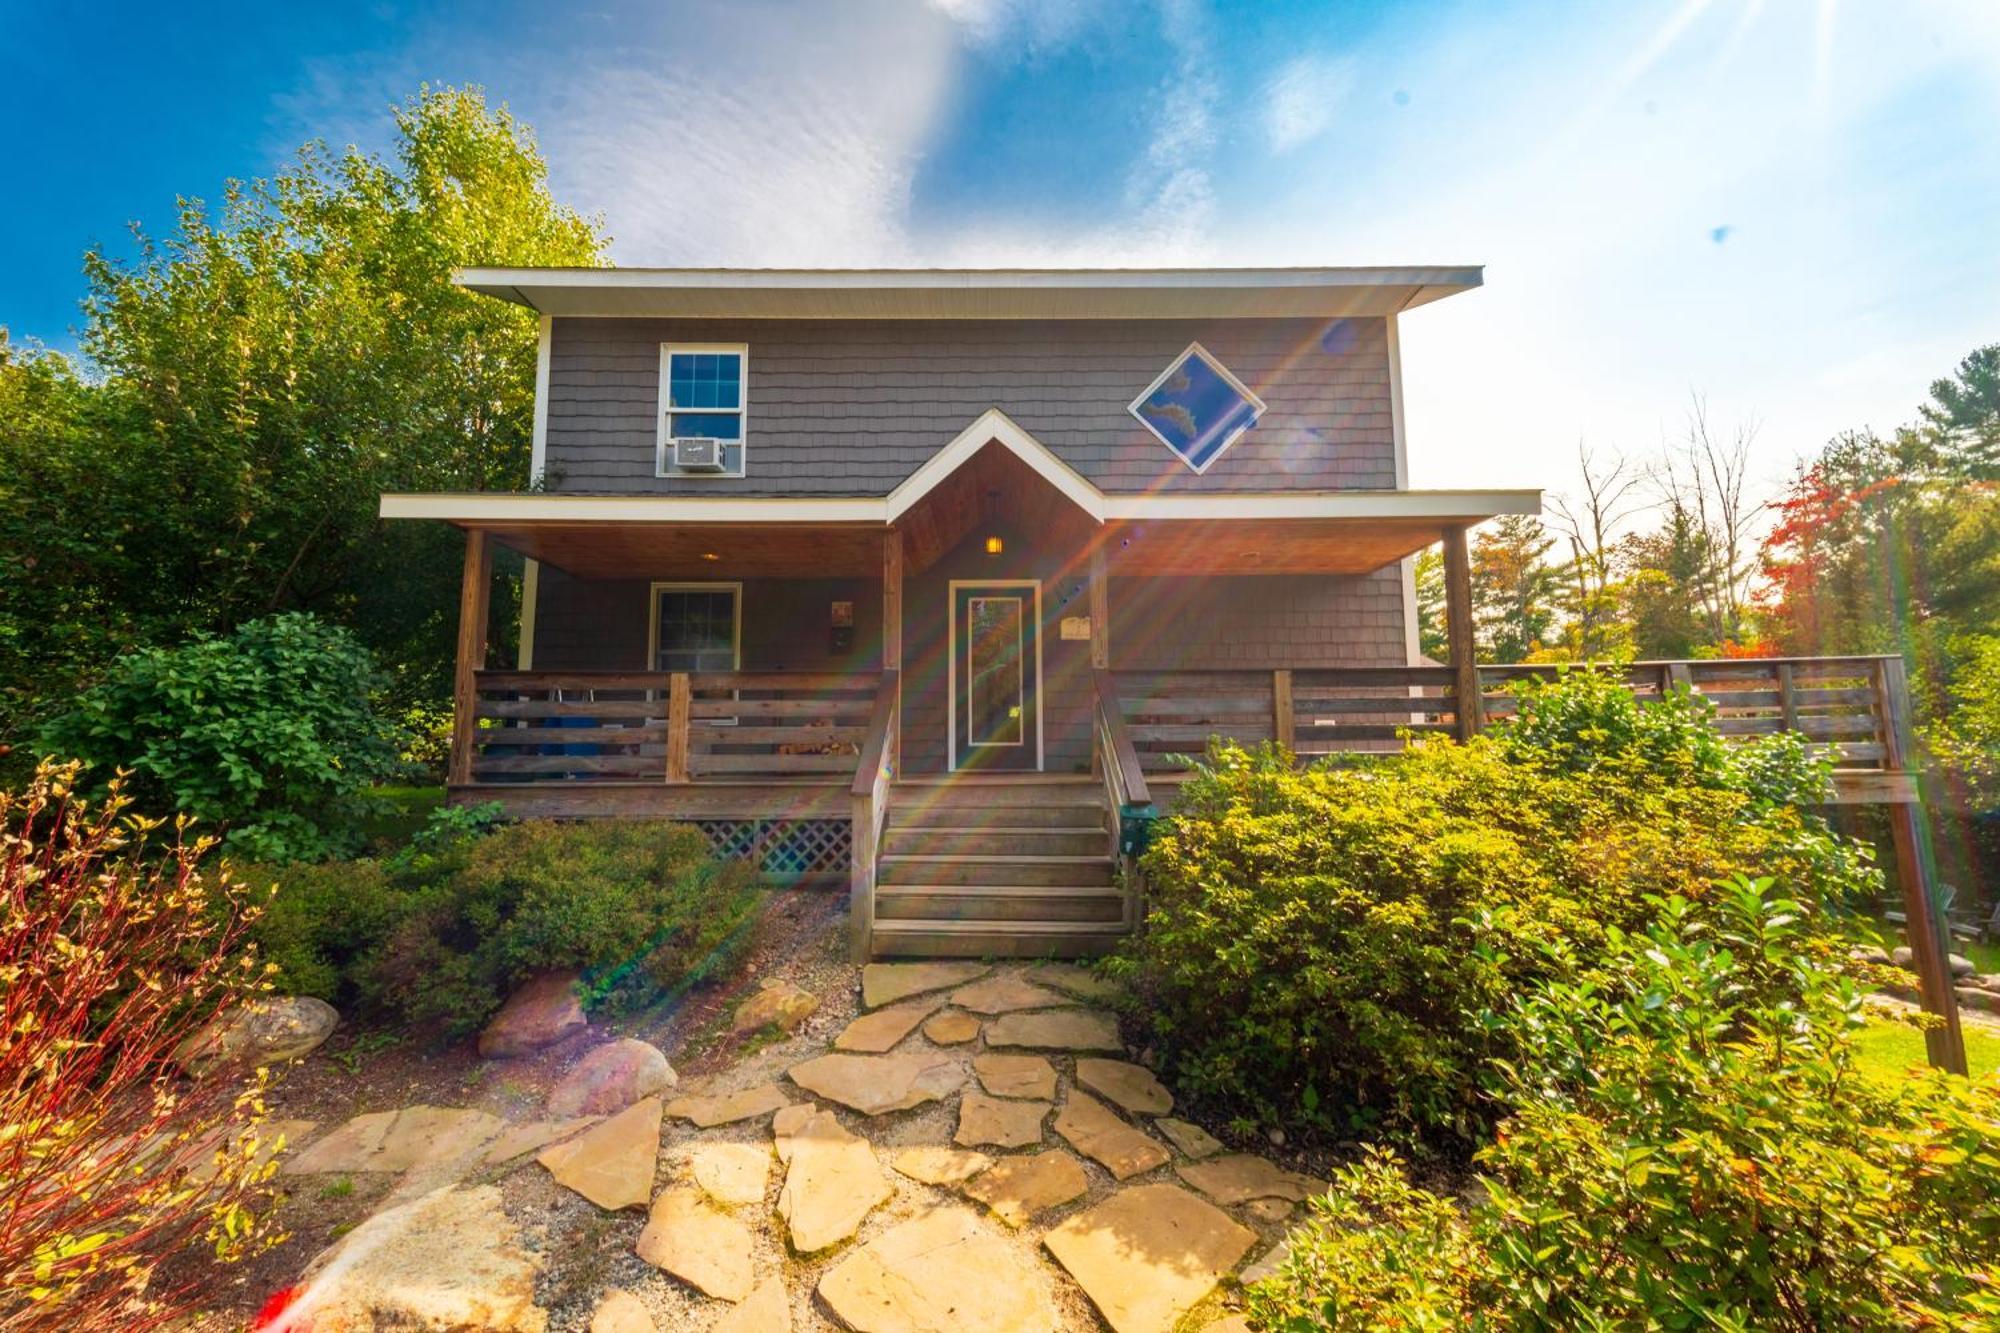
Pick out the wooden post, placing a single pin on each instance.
(680, 709)
(1100, 609)
(1281, 706)
(892, 627)
(1916, 870)
(474, 599)
(1466, 701)
(1788, 699)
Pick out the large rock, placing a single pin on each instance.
(265, 1031)
(768, 1310)
(775, 1004)
(886, 983)
(1961, 966)
(995, 1122)
(1244, 1176)
(622, 1312)
(1978, 997)
(1027, 1076)
(1149, 1254)
(613, 1164)
(935, 1164)
(1016, 1188)
(878, 1084)
(389, 1141)
(698, 1243)
(1005, 995)
(1095, 1130)
(880, 1031)
(541, 1013)
(727, 1109)
(1131, 1086)
(610, 1078)
(1056, 1030)
(730, 1173)
(831, 1184)
(941, 1272)
(446, 1261)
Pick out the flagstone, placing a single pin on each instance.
(768, 1310)
(730, 1173)
(940, 1272)
(698, 1243)
(879, 1084)
(832, 1183)
(612, 1164)
(1080, 982)
(1191, 1139)
(1234, 1323)
(951, 1028)
(1131, 1086)
(728, 1108)
(622, 1312)
(1244, 1176)
(1016, 1076)
(886, 983)
(1095, 1130)
(1270, 1211)
(397, 1140)
(994, 1122)
(881, 1030)
(1016, 1188)
(786, 1124)
(1148, 1254)
(936, 1164)
(1056, 1030)
(1005, 995)
(1270, 1262)
(520, 1140)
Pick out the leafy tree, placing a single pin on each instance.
(1432, 638)
(1513, 588)
(1665, 587)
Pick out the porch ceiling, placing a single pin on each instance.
(678, 550)
(1266, 546)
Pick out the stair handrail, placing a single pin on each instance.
(873, 773)
(1120, 756)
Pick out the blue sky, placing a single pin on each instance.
(1789, 207)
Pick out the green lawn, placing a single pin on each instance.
(1985, 957)
(1889, 1048)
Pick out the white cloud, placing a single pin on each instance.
(1301, 98)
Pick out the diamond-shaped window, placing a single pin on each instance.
(1197, 408)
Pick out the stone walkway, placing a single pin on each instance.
(969, 1150)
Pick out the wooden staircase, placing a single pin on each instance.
(1013, 866)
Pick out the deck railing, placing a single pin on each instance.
(1848, 708)
(675, 727)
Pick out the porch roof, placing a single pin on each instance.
(934, 293)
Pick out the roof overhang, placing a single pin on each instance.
(971, 293)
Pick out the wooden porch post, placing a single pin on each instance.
(1916, 870)
(475, 595)
(1100, 609)
(1466, 702)
(892, 626)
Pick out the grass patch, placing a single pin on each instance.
(1984, 956)
(1888, 1049)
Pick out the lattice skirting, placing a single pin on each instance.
(785, 850)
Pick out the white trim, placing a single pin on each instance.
(531, 592)
(951, 663)
(1208, 359)
(498, 508)
(653, 592)
(668, 351)
(994, 426)
(538, 455)
(1398, 432)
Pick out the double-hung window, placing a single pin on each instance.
(697, 626)
(703, 398)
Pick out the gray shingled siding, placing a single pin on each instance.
(854, 407)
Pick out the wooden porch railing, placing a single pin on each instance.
(565, 726)
(873, 773)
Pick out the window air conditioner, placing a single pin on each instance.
(698, 454)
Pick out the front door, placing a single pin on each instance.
(996, 675)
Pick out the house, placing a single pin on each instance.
(923, 582)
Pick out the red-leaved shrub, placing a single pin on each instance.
(112, 951)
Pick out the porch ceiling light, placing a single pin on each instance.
(994, 546)
(710, 555)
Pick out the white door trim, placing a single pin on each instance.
(951, 662)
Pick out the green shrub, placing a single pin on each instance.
(1690, 1144)
(441, 932)
(1310, 956)
(269, 734)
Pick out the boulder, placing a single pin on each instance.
(777, 1004)
(1977, 997)
(941, 1272)
(1868, 953)
(448, 1260)
(1961, 966)
(610, 1078)
(265, 1031)
(541, 1013)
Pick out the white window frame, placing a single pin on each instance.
(1196, 349)
(951, 663)
(663, 443)
(653, 618)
